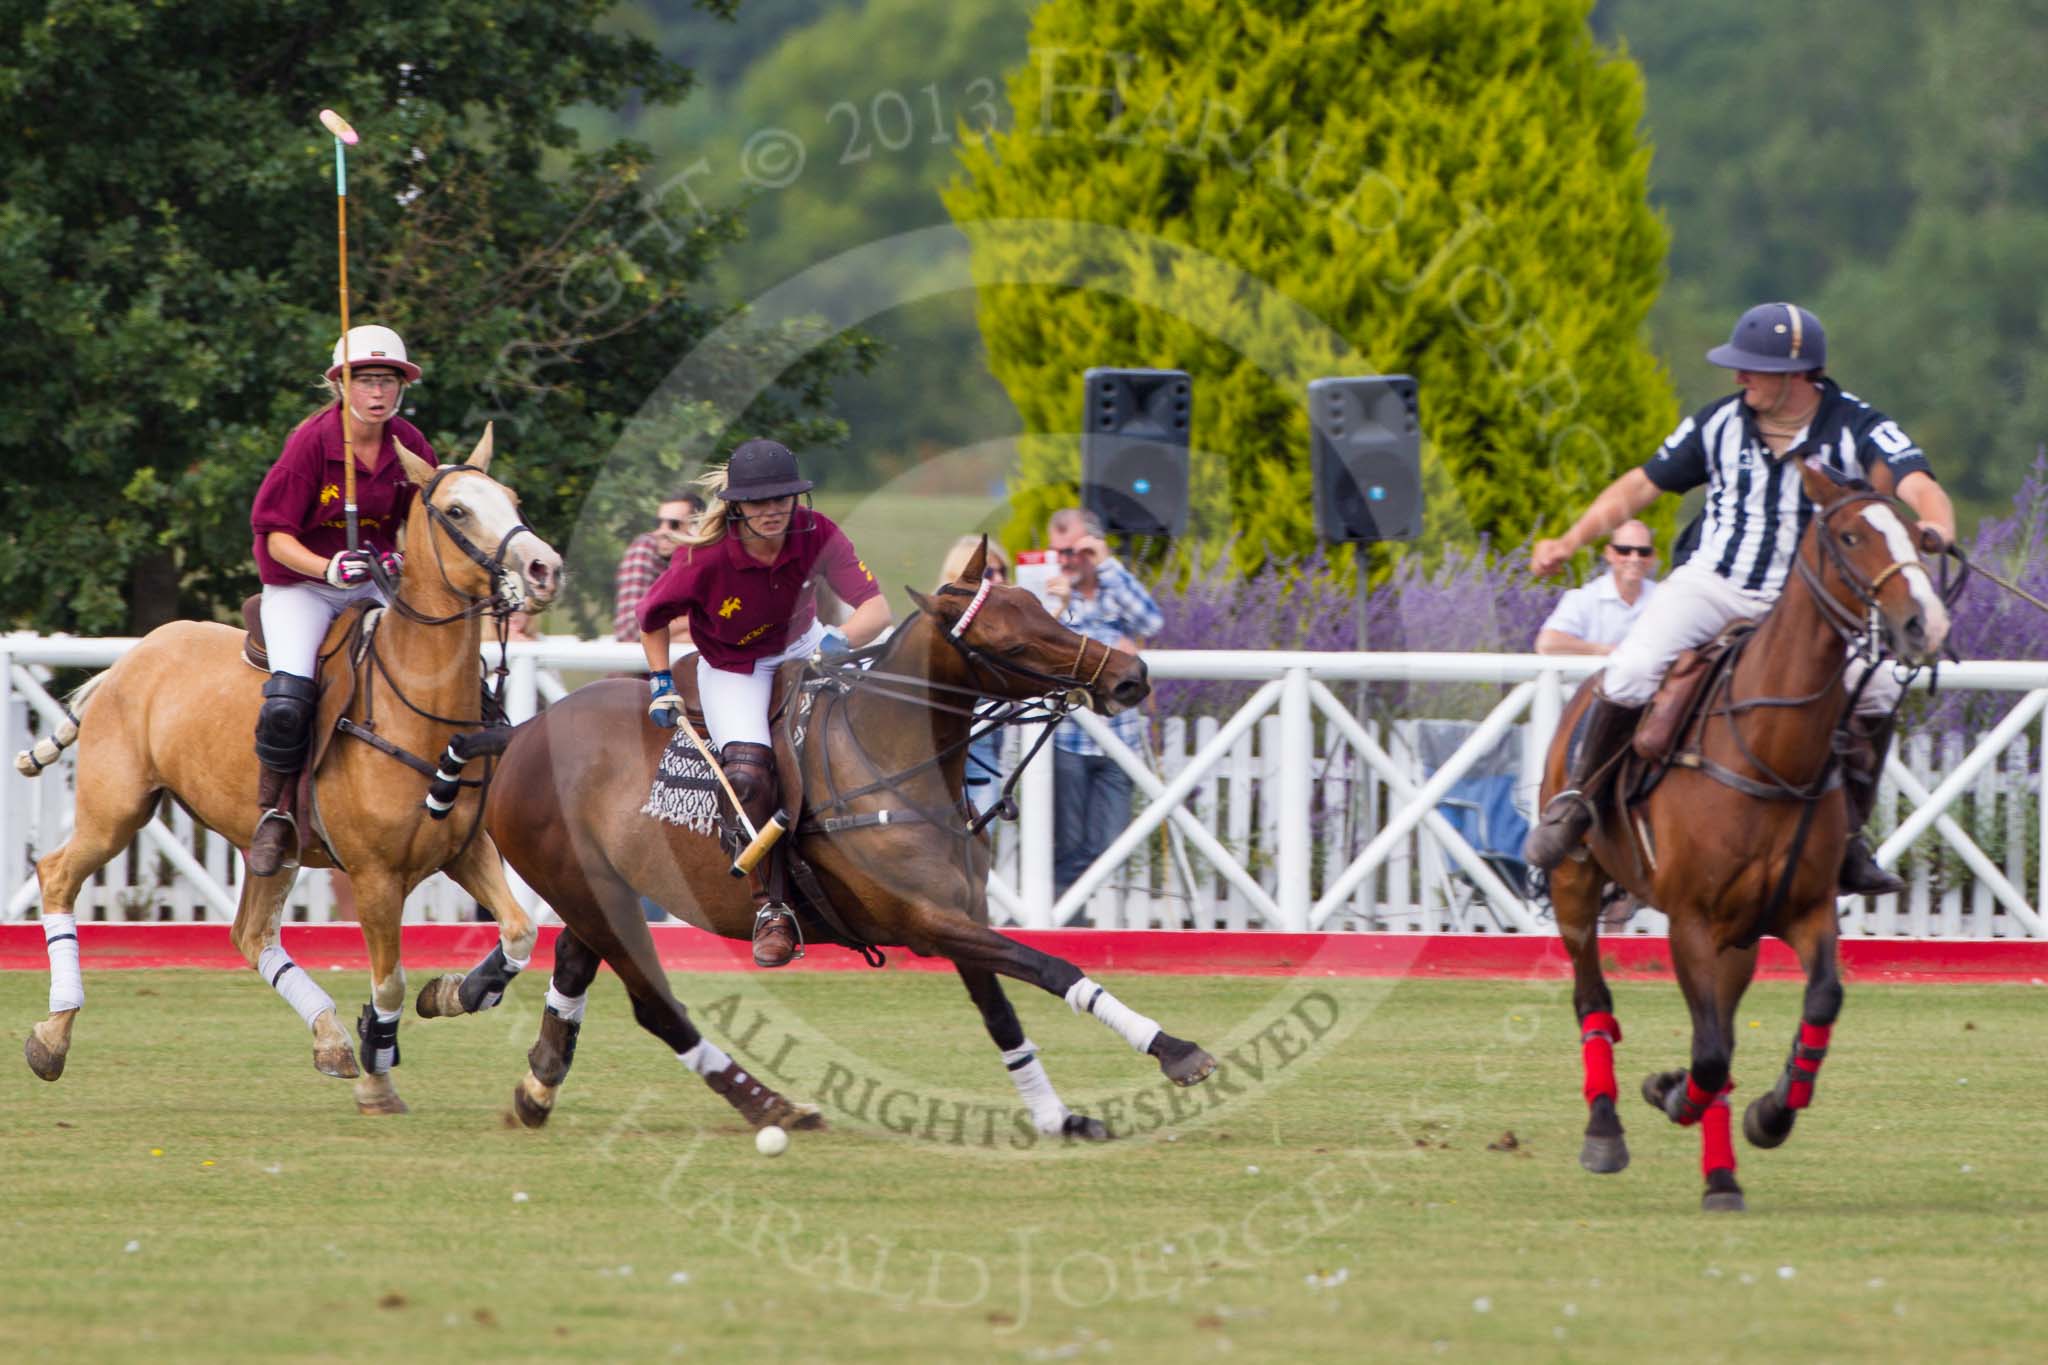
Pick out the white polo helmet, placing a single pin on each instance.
(374, 345)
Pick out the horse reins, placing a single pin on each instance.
(498, 605)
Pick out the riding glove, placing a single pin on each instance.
(348, 569)
(392, 563)
(666, 705)
(834, 645)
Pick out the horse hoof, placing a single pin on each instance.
(42, 1059)
(1657, 1085)
(1604, 1155)
(796, 1118)
(338, 1062)
(376, 1097)
(1085, 1129)
(440, 998)
(1723, 1194)
(1758, 1127)
(530, 1112)
(1183, 1062)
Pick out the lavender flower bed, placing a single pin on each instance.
(1484, 601)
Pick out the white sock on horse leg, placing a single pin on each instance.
(569, 1007)
(60, 941)
(1085, 997)
(1027, 1073)
(517, 964)
(290, 980)
(706, 1059)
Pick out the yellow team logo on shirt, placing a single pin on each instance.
(330, 493)
(862, 564)
(728, 606)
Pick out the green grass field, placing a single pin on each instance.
(192, 1190)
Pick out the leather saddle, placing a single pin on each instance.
(342, 650)
(1669, 730)
(785, 681)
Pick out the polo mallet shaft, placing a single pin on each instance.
(343, 137)
(759, 841)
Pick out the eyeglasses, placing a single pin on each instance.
(995, 571)
(1068, 552)
(376, 381)
(1644, 550)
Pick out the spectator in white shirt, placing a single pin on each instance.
(1592, 619)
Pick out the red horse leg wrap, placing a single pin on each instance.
(1717, 1142)
(1804, 1068)
(1599, 1033)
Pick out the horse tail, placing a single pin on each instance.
(30, 762)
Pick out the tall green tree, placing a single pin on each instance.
(1345, 182)
(167, 276)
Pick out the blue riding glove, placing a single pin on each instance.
(667, 705)
(834, 645)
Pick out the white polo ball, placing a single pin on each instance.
(771, 1141)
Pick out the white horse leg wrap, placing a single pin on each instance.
(1085, 997)
(517, 964)
(60, 941)
(569, 1008)
(706, 1059)
(290, 980)
(1027, 1073)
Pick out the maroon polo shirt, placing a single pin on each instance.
(302, 494)
(742, 610)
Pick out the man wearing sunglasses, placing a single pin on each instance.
(646, 557)
(1593, 619)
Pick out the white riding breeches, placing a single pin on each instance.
(1691, 607)
(296, 617)
(736, 704)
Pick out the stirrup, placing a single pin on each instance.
(770, 917)
(288, 851)
(1861, 874)
(1564, 822)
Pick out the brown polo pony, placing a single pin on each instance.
(174, 717)
(875, 785)
(1715, 840)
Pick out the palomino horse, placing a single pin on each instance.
(175, 717)
(1744, 835)
(874, 785)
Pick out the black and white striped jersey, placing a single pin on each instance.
(1756, 506)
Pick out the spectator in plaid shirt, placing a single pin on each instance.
(1093, 594)
(644, 560)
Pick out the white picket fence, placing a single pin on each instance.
(1299, 818)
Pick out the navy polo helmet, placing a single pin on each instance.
(1774, 338)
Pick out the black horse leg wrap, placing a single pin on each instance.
(555, 1050)
(483, 986)
(380, 1041)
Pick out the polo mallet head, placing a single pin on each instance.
(750, 856)
(337, 125)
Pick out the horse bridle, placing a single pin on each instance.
(1861, 627)
(508, 591)
(1076, 688)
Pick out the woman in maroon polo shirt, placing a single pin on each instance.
(309, 574)
(744, 580)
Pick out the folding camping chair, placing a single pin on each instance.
(1482, 806)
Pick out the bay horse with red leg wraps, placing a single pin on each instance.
(1742, 833)
(886, 851)
(398, 684)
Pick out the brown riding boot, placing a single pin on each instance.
(1863, 756)
(1571, 812)
(276, 844)
(751, 770)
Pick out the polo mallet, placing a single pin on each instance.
(759, 841)
(344, 136)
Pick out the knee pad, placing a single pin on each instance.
(285, 724)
